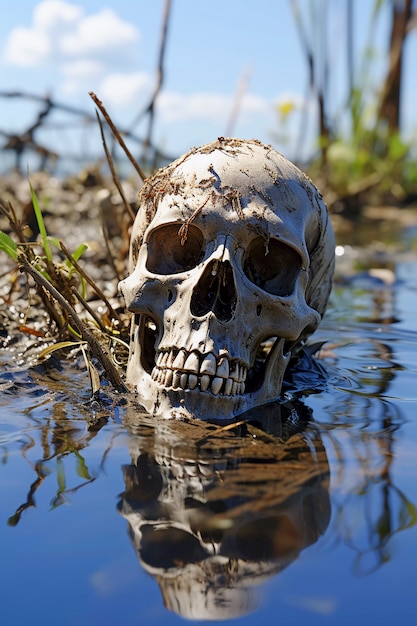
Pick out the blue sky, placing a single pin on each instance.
(68, 48)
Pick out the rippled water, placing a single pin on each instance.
(306, 515)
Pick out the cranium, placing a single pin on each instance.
(231, 264)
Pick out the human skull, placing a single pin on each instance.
(231, 261)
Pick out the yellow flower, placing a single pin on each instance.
(285, 108)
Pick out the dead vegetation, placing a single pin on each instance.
(42, 273)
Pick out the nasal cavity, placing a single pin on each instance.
(215, 291)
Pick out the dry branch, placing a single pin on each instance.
(118, 135)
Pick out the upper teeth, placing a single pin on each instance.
(187, 370)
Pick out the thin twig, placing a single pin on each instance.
(30, 500)
(118, 136)
(89, 280)
(114, 174)
(159, 80)
(238, 99)
(110, 255)
(62, 107)
(219, 431)
(89, 309)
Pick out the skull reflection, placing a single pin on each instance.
(231, 262)
(215, 513)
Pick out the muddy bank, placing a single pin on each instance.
(88, 209)
(83, 210)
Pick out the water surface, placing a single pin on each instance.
(305, 515)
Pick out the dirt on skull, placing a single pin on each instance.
(231, 266)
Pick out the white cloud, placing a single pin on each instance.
(254, 104)
(83, 68)
(25, 48)
(31, 47)
(80, 75)
(50, 16)
(124, 89)
(175, 107)
(103, 33)
(61, 32)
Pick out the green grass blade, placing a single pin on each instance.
(82, 469)
(79, 251)
(76, 256)
(55, 242)
(58, 346)
(8, 246)
(41, 224)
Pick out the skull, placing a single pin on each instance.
(231, 264)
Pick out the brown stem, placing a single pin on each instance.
(118, 136)
(159, 80)
(89, 309)
(391, 92)
(89, 280)
(96, 348)
(114, 174)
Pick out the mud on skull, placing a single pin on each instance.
(231, 264)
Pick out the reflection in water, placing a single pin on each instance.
(213, 512)
(382, 508)
(362, 474)
(55, 431)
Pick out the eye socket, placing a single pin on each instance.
(273, 267)
(166, 255)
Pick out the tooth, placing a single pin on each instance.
(154, 374)
(176, 379)
(192, 381)
(191, 470)
(234, 374)
(161, 376)
(235, 387)
(208, 365)
(216, 385)
(179, 360)
(159, 359)
(223, 368)
(242, 389)
(164, 360)
(205, 469)
(243, 372)
(204, 382)
(192, 364)
(168, 378)
(228, 387)
(184, 381)
(170, 358)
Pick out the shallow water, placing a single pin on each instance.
(305, 516)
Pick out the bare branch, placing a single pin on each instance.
(118, 136)
(150, 108)
(114, 174)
